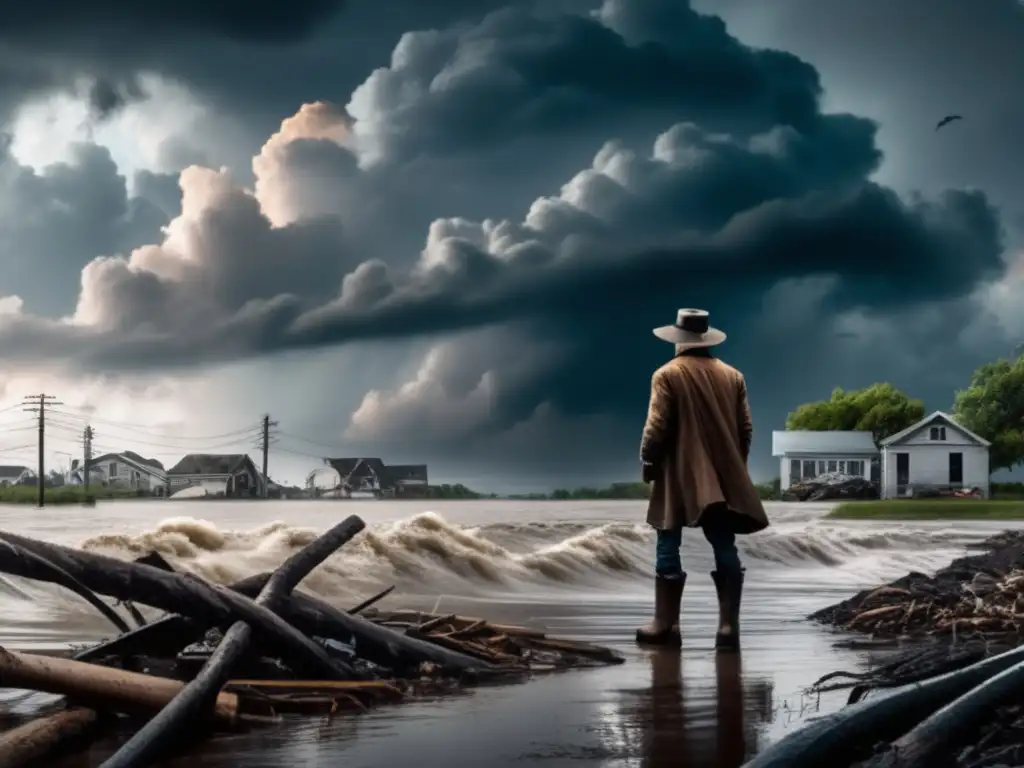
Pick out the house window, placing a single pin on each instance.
(937, 433)
(112, 469)
(842, 467)
(821, 467)
(855, 468)
(809, 469)
(794, 471)
(833, 466)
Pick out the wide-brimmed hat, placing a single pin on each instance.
(691, 330)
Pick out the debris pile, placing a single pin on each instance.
(241, 656)
(979, 595)
(831, 485)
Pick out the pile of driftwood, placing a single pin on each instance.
(228, 657)
(980, 595)
(956, 702)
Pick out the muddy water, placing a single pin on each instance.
(577, 569)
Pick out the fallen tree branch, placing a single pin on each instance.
(41, 738)
(377, 644)
(192, 703)
(103, 688)
(176, 593)
(833, 739)
(933, 738)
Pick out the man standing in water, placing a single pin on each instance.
(694, 450)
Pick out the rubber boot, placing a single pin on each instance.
(729, 587)
(664, 630)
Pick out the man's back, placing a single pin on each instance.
(698, 434)
(711, 401)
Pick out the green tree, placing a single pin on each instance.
(993, 407)
(880, 409)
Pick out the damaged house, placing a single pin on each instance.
(348, 477)
(232, 475)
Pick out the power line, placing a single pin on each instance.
(239, 439)
(311, 442)
(8, 450)
(135, 427)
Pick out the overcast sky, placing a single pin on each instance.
(442, 232)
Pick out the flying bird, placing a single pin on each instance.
(947, 120)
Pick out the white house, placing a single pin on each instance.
(126, 469)
(12, 475)
(804, 454)
(934, 453)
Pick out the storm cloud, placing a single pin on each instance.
(529, 193)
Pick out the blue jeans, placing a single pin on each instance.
(722, 539)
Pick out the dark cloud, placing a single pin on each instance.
(908, 64)
(637, 229)
(518, 73)
(54, 221)
(711, 177)
(108, 96)
(259, 21)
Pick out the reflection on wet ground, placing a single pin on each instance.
(710, 722)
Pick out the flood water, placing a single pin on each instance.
(576, 569)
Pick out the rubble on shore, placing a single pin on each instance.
(241, 656)
(977, 595)
(953, 697)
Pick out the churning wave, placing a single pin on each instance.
(425, 554)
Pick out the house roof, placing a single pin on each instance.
(138, 459)
(902, 435)
(151, 466)
(11, 470)
(357, 467)
(825, 442)
(209, 464)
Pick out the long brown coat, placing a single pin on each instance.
(697, 437)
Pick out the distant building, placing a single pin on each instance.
(349, 477)
(233, 475)
(126, 469)
(11, 474)
(406, 479)
(805, 454)
(936, 454)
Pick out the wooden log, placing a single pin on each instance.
(939, 735)
(44, 737)
(833, 740)
(371, 601)
(197, 698)
(417, 618)
(379, 688)
(175, 593)
(606, 655)
(434, 623)
(156, 587)
(376, 643)
(104, 688)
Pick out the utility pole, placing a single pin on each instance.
(87, 436)
(37, 404)
(264, 445)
